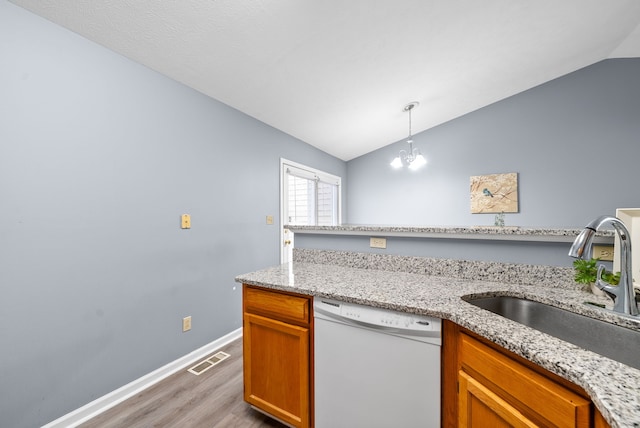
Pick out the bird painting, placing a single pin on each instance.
(494, 193)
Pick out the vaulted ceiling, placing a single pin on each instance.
(337, 73)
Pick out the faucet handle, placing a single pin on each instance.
(611, 291)
(601, 269)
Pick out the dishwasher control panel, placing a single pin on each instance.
(369, 316)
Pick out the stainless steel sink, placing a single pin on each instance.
(612, 341)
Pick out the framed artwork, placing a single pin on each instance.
(494, 193)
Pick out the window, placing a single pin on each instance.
(310, 197)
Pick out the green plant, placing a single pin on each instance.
(587, 272)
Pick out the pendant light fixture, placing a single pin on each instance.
(412, 158)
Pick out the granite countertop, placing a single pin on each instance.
(510, 233)
(613, 387)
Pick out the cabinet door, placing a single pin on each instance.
(538, 397)
(277, 368)
(480, 407)
(493, 382)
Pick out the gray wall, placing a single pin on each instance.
(99, 157)
(575, 142)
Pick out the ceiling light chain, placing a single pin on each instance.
(412, 158)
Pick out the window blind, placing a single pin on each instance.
(312, 197)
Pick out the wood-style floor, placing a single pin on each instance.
(211, 400)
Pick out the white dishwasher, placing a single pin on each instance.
(375, 368)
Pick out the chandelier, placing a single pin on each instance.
(411, 158)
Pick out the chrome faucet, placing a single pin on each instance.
(623, 295)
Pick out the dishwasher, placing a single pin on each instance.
(375, 368)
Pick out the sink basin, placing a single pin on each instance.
(610, 340)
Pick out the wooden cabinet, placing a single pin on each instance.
(485, 385)
(277, 341)
(480, 406)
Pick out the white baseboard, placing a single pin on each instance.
(109, 400)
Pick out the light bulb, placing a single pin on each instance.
(418, 162)
(397, 162)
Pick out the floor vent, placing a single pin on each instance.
(205, 365)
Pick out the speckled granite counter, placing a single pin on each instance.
(614, 387)
(509, 233)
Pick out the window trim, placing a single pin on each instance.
(306, 172)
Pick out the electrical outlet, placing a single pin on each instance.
(603, 252)
(186, 323)
(186, 221)
(269, 219)
(378, 242)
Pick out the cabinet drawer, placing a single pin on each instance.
(287, 307)
(536, 396)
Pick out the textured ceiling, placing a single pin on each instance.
(336, 74)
